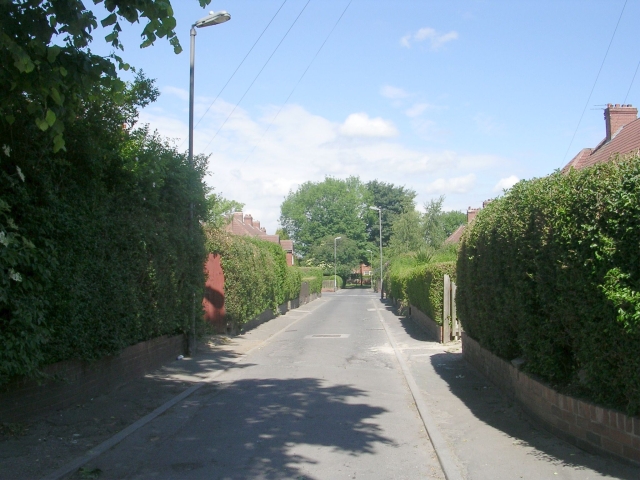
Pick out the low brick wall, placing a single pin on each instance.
(426, 323)
(282, 309)
(76, 382)
(583, 424)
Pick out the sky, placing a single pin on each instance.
(455, 98)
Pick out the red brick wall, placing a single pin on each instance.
(213, 301)
(584, 424)
(77, 381)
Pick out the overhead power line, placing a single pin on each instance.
(299, 80)
(238, 67)
(257, 75)
(596, 81)
(634, 77)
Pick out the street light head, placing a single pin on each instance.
(338, 238)
(374, 208)
(214, 18)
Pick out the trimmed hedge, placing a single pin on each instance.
(551, 273)
(419, 285)
(338, 279)
(95, 248)
(313, 276)
(256, 275)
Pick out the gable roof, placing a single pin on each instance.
(626, 139)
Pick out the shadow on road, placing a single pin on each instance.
(49, 441)
(263, 428)
(489, 405)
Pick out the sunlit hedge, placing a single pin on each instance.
(256, 275)
(313, 276)
(419, 285)
(551, 273)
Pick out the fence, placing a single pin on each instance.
(451, 328)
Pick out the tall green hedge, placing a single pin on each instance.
(419, 285)
(95, 248)
(256, 275)
(551, 272)
(313, 276)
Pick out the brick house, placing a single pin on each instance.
(246, 225)
(622, 137)
(471, 214)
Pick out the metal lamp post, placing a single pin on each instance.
(379, 209)
(212, 19)
(335, 263)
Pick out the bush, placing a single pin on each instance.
(256, 275)
(421, 285)
(330, 278)
(313, 276)
(551, 272)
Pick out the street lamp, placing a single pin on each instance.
(335, 263)
(379, 209)
(371, 264)
(211, 19)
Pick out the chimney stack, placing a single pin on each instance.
(256, 223)
(248, 219)
(471, 213)
(617, 116)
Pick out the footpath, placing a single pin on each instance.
(489, 436)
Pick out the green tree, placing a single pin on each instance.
(347, 253)
(48, 71)
(394, 201)
(331, 207)
(407, 233)
(219, 209)
(438, 225)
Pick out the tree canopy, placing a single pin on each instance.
(346, 259)
(48, 72)
(394, 201)
(331, 207)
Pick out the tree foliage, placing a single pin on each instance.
(346, 259)
(332, 207)
(394, 201)
(48, 72)
(219, 209)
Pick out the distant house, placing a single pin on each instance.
(245, 225)
(622, 137)
(471, 214)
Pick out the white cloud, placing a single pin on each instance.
(181, 93)
(506, 183)
(259, 169)
(394, 93)
(360, 125)
(417, 109)
(436, 40)
(452, 185)
(487, 124)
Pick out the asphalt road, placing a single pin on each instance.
(325, 392)
(325, 399)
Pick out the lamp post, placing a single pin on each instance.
(370, 263)
(335, 263)
(212, 19)
(379, 209)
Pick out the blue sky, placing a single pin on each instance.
(456, 98)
